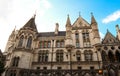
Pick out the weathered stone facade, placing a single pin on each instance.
(77, 51)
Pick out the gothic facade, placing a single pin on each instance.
(77, 51)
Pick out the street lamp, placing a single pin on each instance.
(69, 48)
(100, 71)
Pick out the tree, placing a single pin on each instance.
(2, 69)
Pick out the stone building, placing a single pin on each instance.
(77, 51)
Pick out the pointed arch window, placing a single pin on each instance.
(117, 55)
(111, 56)
(59, 56)
(29, 42)
(21, 41)
(104, 56)
(88, 55)
(78, 56)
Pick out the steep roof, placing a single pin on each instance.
(31, 24)
(109, 39)
(51, 34)
(80, 22)
(92, 19)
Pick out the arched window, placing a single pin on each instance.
(78, 56)
(21, 41)
(88, 55)
(59, 56)
(111, 56)
(29, 42)
(15, 61)
(104, 56)
(43, 56)
(117, 55)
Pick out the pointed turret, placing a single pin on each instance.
(68, 41)
(118, 31)
(95, 30)
(68, 22)
(68, 28)
(93, 21)
(31, 24)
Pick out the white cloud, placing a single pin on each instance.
(101, 35)
(112, 17)
(17, 13)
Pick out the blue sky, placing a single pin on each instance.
(15, 13)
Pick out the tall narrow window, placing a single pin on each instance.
(15, 61)
(77, 40)
(111, 56)
(57, 43)
(117, 55)
(59, 55)
(104, 56)
(77, 36)
(62, 43)
(86, 40)
(21, 41)
(41, 44)
(49, 44)
(78, 55)
(45, 44)
(29, 42)
(88, 55)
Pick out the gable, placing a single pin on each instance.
(80, 23)
(109, 39)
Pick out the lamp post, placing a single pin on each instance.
(69, 48)
(70, 63)
(98, 49)
(52, 56)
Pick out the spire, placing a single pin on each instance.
(92, 19)
(13, 32)
(117, 27)
(68, 23)
(31, 24)
(107, 30)
(79, 14)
